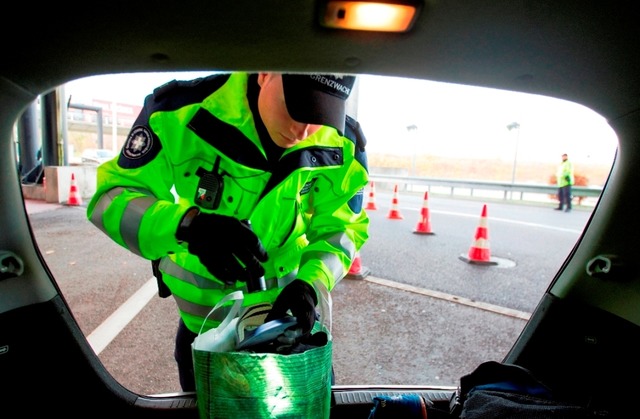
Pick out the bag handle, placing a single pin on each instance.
(235, 309)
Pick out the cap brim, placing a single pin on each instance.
(312, 106)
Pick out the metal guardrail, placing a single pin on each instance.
(472, 186)
(510, 191)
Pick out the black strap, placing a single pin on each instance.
(227, 139)
(163, 290)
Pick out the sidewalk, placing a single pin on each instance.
(35, 206)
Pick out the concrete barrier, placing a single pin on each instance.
(58, 184)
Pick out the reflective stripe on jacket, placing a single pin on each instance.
(306, 210)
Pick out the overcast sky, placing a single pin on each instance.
(451, 120)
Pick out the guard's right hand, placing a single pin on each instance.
(226, 246)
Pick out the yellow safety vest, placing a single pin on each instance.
(306, 210)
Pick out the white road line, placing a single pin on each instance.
(102, 336)
(502, 220)
(118, 320)
(449, 297)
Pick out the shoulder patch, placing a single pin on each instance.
(140, 147)
(138, 144)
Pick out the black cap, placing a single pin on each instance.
(318, 99)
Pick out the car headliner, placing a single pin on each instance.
(583, 51)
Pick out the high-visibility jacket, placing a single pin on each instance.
(306, 208)
(564, 174)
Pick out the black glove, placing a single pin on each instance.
(301, 299)
(226, 246)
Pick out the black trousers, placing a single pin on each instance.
(184, 357)
(564, 195)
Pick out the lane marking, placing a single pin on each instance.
(502, 220)
(410, 207)
(109, 329)
(119, 319)
(450, 297)
(506, 220)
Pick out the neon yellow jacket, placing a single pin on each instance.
(564, 174)
(306, 209)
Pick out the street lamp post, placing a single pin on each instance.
(512, 126)
(413, 128)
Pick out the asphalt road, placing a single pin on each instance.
(422, 316)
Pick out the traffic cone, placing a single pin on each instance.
(74, 195)
(480, 252)
(394, 213)
(371, 204)
(424, 223)
(357, 271)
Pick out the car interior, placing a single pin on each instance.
(581, 338)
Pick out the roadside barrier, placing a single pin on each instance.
(371, 204)
(480, 251)
(74, 196)
(357, 271)
(394, 212)
(424, 223)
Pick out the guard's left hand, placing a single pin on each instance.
(300, 298)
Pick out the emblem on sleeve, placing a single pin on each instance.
(138, 144)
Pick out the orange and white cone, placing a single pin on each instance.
(371, 204)
(480, 251)
(74, 196)
(394, 212)
(357, 271)
(424, 223)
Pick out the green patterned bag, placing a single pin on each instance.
(239, 384)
